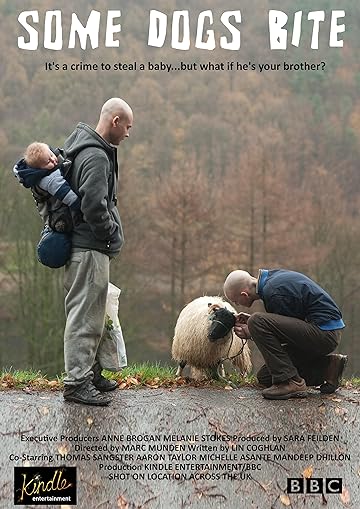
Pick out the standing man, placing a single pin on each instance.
(95, 241)
(300, 328)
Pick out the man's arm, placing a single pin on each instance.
(242, 331)
(286, 305)
(242, 317)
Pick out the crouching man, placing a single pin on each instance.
(301, 327)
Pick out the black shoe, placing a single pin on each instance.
(86, 393)
(337, 363)
(103, 384)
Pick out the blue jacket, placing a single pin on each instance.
(289, 293)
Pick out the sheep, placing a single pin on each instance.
(191, 344)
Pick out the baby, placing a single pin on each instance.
(39, 155)
(41, 168)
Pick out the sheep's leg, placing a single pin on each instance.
(220, 375)
(222, 370)
(180, 368)
(217, 371)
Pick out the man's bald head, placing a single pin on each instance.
(115, 107)
(239, 287)
(238, 280)
(115, 122)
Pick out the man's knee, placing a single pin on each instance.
(256, 322)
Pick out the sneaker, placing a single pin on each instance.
(86, 393)
(333, 374)
(285, 390)
(103, 384)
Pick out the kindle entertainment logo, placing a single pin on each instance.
(314, 485)
(45, 485)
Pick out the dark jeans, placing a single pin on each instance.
(291, 347)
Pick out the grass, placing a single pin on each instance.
(132, 377)
(353, 382)
(146, 371)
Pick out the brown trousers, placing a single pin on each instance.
(291, 347)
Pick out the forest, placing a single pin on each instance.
(225, 168)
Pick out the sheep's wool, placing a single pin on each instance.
(191, 343)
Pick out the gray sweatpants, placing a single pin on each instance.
(86, 284)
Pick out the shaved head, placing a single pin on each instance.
(115, 107)
(237, 280)
(115, 122)
(239, 287)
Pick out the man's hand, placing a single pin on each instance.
(242, 331)
(241, 318)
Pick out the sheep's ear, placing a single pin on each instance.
(212, 307)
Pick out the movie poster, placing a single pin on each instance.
(243, 153)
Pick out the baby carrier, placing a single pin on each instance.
(54, 247)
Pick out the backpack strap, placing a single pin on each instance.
(39, 195)
(64, 163)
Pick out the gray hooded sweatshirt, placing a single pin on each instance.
(93, 176)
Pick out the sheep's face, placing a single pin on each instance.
(222, 321)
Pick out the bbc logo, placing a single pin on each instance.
(314, 485)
